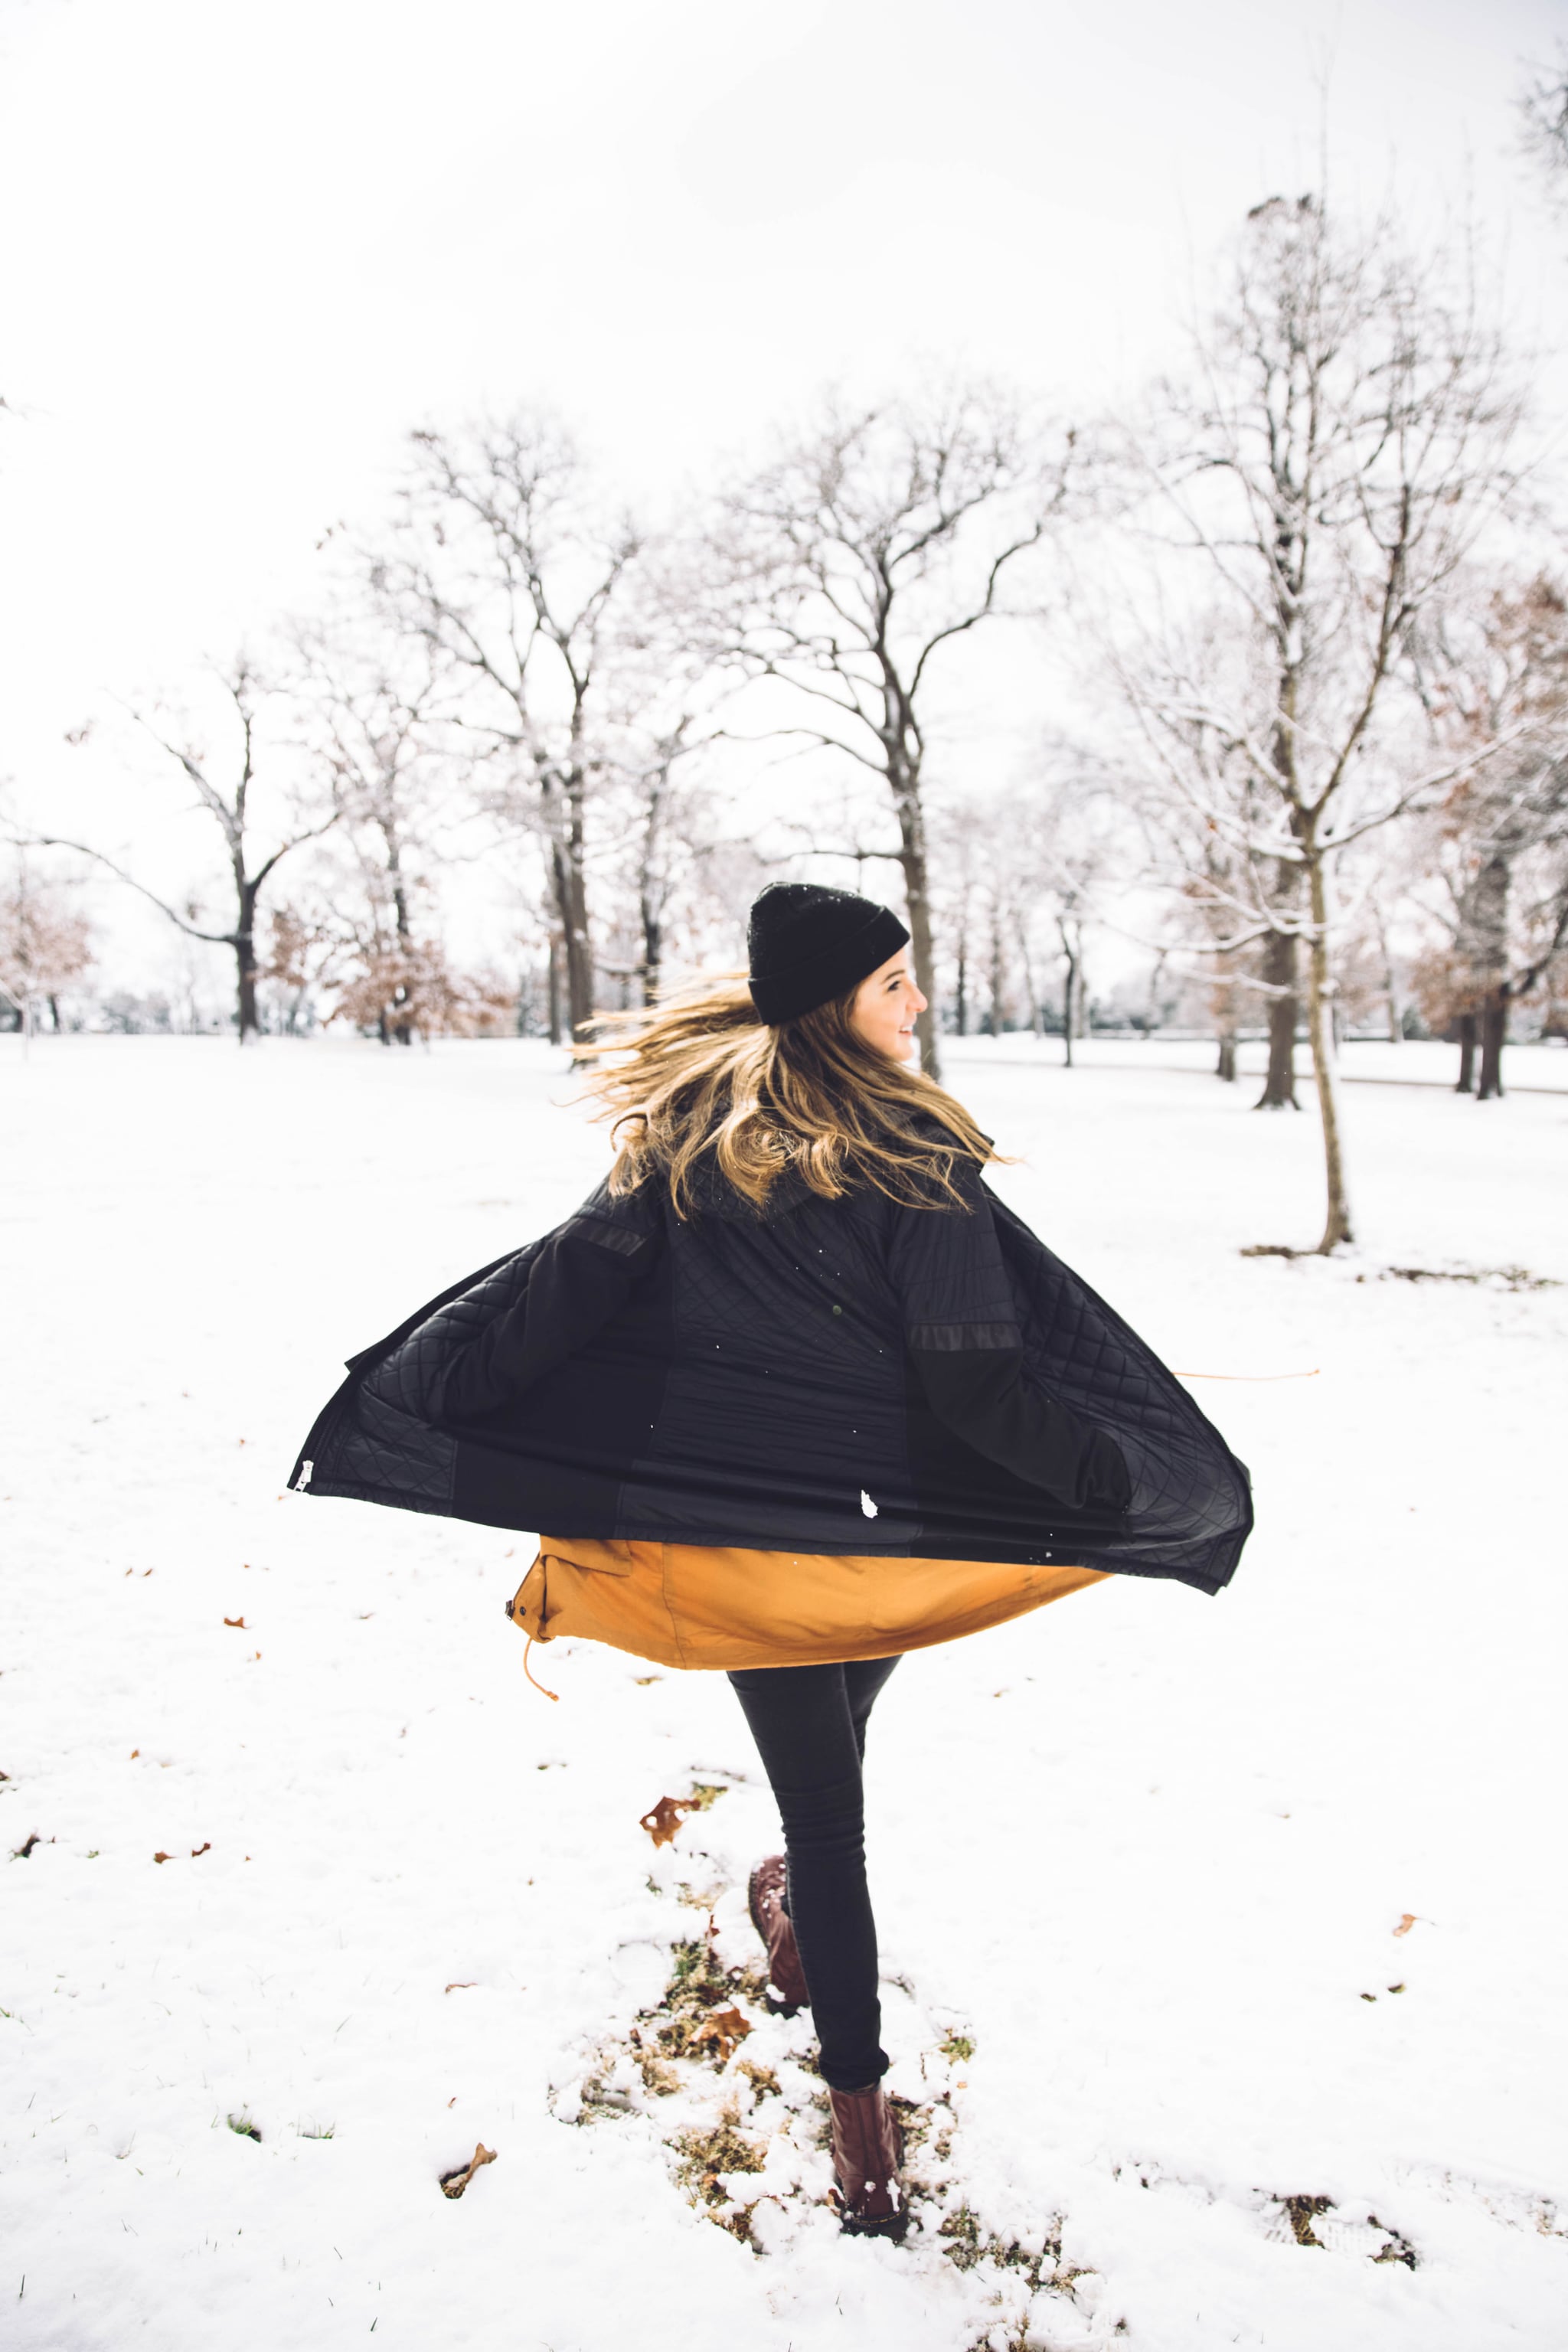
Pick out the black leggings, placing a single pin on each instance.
(809, 1724)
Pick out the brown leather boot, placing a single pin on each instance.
(772, 1922)
(868, 2149)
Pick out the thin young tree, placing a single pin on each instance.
(226, 780)
(848, 566)
(504, 560)
(1343, 442)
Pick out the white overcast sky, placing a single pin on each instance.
(247, 247)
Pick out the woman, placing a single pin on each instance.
(801, 1395)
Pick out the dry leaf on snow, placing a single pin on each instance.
(454, 2183)
(1406, 1924)
(665, 1819)
(721, 2030)
(235, 1620)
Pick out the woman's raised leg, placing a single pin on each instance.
(809, 1724)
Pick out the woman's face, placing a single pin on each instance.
(885, 1006)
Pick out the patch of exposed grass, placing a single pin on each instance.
(959, 2047)
(914, 2122)
(703, 2158)
(698, 1987)
(966, 2247)
(1301, 2213)
(602, 2098)
(1396, 2250)
(1509, 1278)
(657, 2076)
(242, 2124)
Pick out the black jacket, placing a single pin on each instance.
(839, 1376)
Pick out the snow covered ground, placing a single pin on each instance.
(1142, 1861)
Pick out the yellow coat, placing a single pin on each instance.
(701, 1605)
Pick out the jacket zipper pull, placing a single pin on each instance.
(303, 1480)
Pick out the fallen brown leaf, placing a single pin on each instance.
(1406, 1924)
(205, 1847)
(666, 1818)
(234, 1620)
(722, 2029)
(454, 2183)
(461, 1984)
(134, 1753)
(161, 1856)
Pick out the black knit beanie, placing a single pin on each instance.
(808, 945)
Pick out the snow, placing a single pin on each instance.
(1138, 1861)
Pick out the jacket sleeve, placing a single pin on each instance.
(583, 1274)
(961, 1327)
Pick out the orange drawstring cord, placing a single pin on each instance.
(534, 1678)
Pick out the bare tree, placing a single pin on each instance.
(1499, 843)
(45, 944)
(505, 561)
(373, 707)
(411, 984)
(1343, 441)
(230, 804)
(871, 542)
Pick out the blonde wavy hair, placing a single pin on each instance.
(699, 1076)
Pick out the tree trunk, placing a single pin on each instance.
(1325, 1068)
(964, 983)
(1224, 1066)
(1467, 1081)
(400, 1029)
(1489, 914)
(998, 983)
(1279, 971)
(650, 902)
(562, 805)
(555, 1021)
(917, 897)
(1037, 1023)
(1070, 995)
(245, 962)
(652, 944)
(571, 905)
(1494, 1036)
